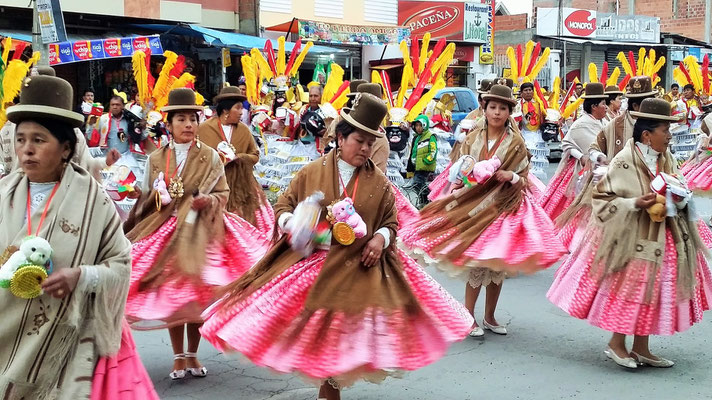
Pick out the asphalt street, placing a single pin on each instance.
(547, 355)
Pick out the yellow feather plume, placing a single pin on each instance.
(160, 89)
(405, 82)
(555, 93)
(248, 69)
(340, 101)
(624, 61)
(679, 77)
(641, 59)
(300, 58)
(138, 62)
(694, 69)
(6, 47)
(613, 79)
(512, 63)
(425, 99)
(199, 99)
(404, 50)
(572, 107)
(592, 73)
(443, 61)
(336, 78)
(540, 64)
(181, 82)
(265, 70)
(659, 64)
(34, 59)
(656, 81)
(281, 56)
(527, 56)
(423, 53)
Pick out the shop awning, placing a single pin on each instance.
(386, 67)
(232, 40)
(612, 43)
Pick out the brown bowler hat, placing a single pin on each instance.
(485, 86)
(595, 90)
(640, 86)
(500, 93)
(655, 109)
(45, 97)
(354, 84)
(230, 92)
(613, 89)
(373, 88)
(44, 70)
(182, 99)
(366, 113)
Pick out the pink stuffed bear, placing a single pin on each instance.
(483, 170)
(344, 211)
(159, 185)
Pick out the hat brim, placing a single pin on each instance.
(22, 112)
(182, 108)
(348, 118)
(482, 91)
(614, 92)
(637, 95)
(233, 96)
(657, 117)
(595, 96)
(490, 96)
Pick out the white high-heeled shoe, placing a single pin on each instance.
(625, 362)
(201, 372)
(661, 363)
(178, 373)
(498, 329)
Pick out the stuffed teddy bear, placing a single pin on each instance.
(159, 185)
(344, 211)
(658, 211)
(33, 251)
(484, 170)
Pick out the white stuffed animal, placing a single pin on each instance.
(33, 250)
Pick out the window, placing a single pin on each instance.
(456, 108)
(382, 11)
(329, 8)
(280, 6)
(465, 100)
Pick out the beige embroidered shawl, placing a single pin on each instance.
(48, 346)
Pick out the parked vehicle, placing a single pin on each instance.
(465, 102)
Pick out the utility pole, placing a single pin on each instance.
(37, 44)
(708, 4)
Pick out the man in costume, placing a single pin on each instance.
(674, 95)
(531, 115)
(116, 129)
(688, 105)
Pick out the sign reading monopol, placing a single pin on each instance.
(590, 24)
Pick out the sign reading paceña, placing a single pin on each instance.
(85, 50)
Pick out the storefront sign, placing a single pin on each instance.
(439, 18)
(487, 49)
(476, 23)
(324, 32)
(84, 50)
(464, 53)
(594, 25)
(226, 60)
(51, 21)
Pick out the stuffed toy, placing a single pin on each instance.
(343, 211)
(159, 185)
(26, 268)
(302, 228)
(484, 170)
(658, 211)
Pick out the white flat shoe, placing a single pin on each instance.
(626, 362)
(477, 332)
(178, 373)
(201, 372)
(498, 329)
(661, 363)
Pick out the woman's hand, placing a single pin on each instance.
(112, 157)
(61, 283)
(372, 252)
(643, 202)
(504, 176)
(457, 185)
(200, 201)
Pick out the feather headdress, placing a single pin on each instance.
(691, 72)
(525, 64)
(153, 93)
(12, 75)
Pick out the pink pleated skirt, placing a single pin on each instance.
(523, 241)
(618, 302)
(180, 299)
(272, 328)
(555, 199)
(264, 219)
(122, 377)
(698, 175)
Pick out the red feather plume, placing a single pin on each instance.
(535, 55)
(604, 73)
(519, 59)
(706, 73)
(178, 69)
(293, 56)
(622, 84)
(633, 65)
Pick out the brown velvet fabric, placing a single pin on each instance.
(344, 284)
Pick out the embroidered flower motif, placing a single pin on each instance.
(40, 319)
